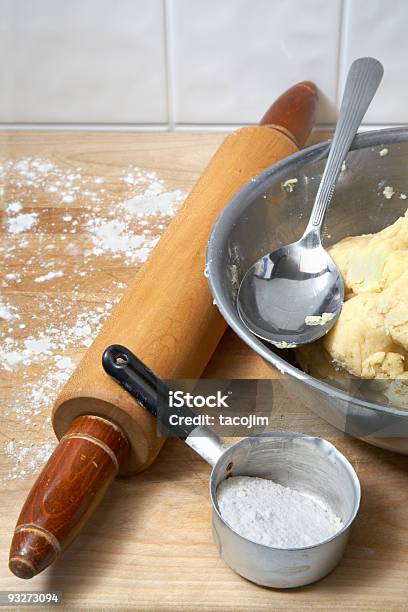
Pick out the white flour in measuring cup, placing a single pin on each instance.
(268, 513)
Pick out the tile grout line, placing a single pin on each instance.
(158, 127)
(169, 60)
(91, 127)
(342, 40)
(320, 127)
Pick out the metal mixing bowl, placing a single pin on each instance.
(264, 215)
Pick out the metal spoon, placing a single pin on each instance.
(294, 295)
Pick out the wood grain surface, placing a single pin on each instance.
(149, 545)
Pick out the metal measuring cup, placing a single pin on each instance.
(308, 464)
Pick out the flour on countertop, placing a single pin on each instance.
(8, 312)
(271, 514)
(21, 223)
(114, 236)
(155, 201)
(45, 285)
(14, 207)
(49, 276)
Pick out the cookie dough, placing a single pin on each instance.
(319, 319)
(370, 338)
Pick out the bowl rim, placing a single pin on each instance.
(235, 207)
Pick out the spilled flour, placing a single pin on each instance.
(270, 514)
(65, 232)
(21, 223)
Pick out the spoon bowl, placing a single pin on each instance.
(294, 295)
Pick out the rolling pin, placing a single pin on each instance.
(168, 319)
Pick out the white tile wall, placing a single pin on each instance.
(232, 58)
(82, 61)
(380, 28)
(181, 63)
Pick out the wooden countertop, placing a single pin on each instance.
(150, 546)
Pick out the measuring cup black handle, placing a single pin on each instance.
(147, 389)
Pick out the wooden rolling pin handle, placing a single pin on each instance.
(294, 112)
(92, 449)
(66, 493)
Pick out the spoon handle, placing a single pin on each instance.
(363, 79)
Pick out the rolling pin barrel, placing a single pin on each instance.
(168, 319)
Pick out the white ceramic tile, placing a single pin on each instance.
(82, 61)
(232, 58)
(380, 28)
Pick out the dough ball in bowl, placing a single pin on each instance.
(370, 338)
